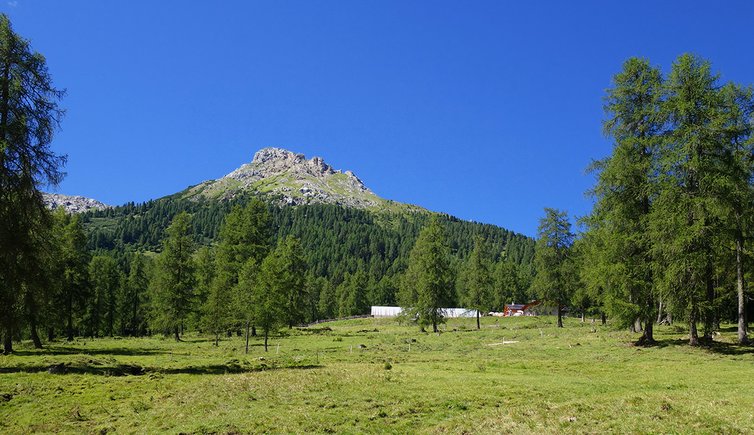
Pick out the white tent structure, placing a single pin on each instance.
(383, 311)
(458, 312)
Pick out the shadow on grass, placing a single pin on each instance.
(64, 350)
(714, 346)
(136, 370)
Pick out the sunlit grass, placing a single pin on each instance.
(515, 375)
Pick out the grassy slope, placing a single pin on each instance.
(337, 184)
(583, 378)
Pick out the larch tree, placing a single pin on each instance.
(104, 277)
(245, 235)
(476, 280)
(73, 262)
(270, 291)
(625, 191)
(554, 282)
(29, 116)
(687, 217)
(735, 125)
(134, 304)
(294, 283)
(174, 281)
(428, 283)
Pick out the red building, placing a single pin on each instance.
(515, 310)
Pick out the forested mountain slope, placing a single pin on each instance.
(336, 240)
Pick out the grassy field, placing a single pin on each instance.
(516, 375)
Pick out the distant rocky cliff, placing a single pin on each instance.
(72, 204)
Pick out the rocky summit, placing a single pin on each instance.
(291, 179)
(72, 204)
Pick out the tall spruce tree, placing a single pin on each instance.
(29, 115)
(625, 191)
(174, 281)
(555, 277)
(427, 286)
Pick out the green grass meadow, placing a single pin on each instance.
(518, 375)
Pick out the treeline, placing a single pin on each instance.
(267, 266)
(670, 235)
(346, 250)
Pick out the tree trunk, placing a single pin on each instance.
(217, 339)
(69, 323)
(248, 325)
(583, 316)
(647, 337)
(741, 290)
(560, 317)
(693, 333)
(50, 334)
(33, 332)
(478, 325)
(604, 319)
(434, 325)
(7, 341)
(709, 316)
(659, 313)
(637, 325)
(177, 334)
(265, 339)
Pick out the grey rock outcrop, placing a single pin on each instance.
(72, 204)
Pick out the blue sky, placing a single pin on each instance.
(489, 111)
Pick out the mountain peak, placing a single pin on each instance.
(292, 179)
(279, 159)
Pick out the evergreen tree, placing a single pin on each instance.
(477, 280)
(245, 235)
(101, 311)
(294, 274)
(73, 263)
(38, 269)
(327, 306)
(271, 292)
(352, 294)
(174, 282)
(29, 115)
(134, 304)
(687, 216)
(735, 125)
(245, 296)
(554, 281)
(510, 284)
(625, 192)
(428, 284)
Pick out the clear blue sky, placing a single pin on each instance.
(489, 111)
